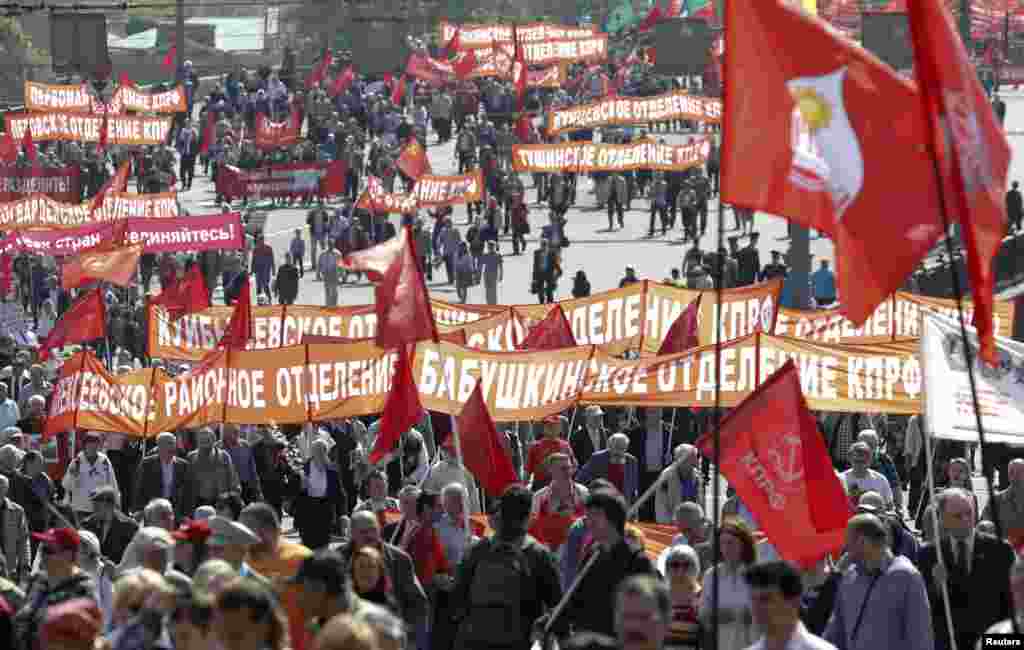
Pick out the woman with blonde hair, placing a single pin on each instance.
(682, 571)
(141, 589)
(247, 616)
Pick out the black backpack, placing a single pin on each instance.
(501, 600)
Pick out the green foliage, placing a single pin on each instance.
(18, 44)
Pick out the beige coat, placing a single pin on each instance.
(669, 495)
(16, 548)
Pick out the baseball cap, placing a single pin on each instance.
(64, 539)
(327, 568)
(192, 531)
(230, 533)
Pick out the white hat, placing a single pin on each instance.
(225, 532)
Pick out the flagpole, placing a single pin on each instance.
(462, 466)
(943, 587)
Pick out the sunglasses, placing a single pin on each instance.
(677, 564)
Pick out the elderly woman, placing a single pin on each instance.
(680, 482)
(735, 624)
(682, 568)
(159, 513)
(322, 496)
(152, 548)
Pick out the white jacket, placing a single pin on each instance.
(83, 479)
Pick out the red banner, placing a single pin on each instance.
(61, 184)
(270, 135)
(170, 235)
(290, 180)
(429, 69)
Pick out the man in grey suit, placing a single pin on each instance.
(616, 465)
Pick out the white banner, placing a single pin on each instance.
(948, 408)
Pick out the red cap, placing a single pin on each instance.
(64, 539)
(192, 531)
(77, 621)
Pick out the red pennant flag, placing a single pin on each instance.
(831, 156)
(398, 92)
(8, 150)
(971, 148)
(775, 458)
(117, 183)
(85, 320)
(413, 160)
(104, 130)
(466, 64)
(454, 44)
(319, 71)
(402, 301)
(115, 265)
(524, 128)
(683, 334)
(6, 275)
(343, 81)
(652, 19)
(187, 296)
(125, 80)
(518, 70)
(29, 145)
(209, 132)
(169, 58)
(239, 329)
(551, 333)
(402, 409)
(482, 451)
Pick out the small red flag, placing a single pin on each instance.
(971, 148)
(482, 451)
(239, 329)
(169, 58)
(6, 275)
(774, 457)
(413, 160)
(85, 320)
(125, 80)
(524, 128)
(403, 307)
(209, 132)
(398, 92)
(343, 81)
(104, 130)
(683, 334)
(115, 265)
(518, 70)
(402, 409)
(319, 72)
(187, 296)
(8, 150)
(466, 64)
(551, 333)
(652, 19)
(117, 183)
(29, 145)
(454, 44)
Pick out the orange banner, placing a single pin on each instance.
(70, 98)
(449, 313)
(498, 333)
(140, 101)
(897, 318)
(478, 36)
(40, 211)
(612, 319)
(589, 49)
(553, 76)
(375, 199)
(432, 191)
(65, 98)
(676, 105)
(589, 157)
(121, 129)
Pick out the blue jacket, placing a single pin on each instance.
(597, 467)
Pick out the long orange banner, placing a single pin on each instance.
(588, 157)
(40, 211)
(121, 129)
(676, 105)
(478, 36)
(70, 98)
(433, 191)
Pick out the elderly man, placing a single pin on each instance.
(448, 470)
(114, 530)
(164, 475)
(211, 471)
(412, 601)
(680, 483)
(692, 530)
(973, 567)
(87, 473)
(1009, 504)
(643, 613)
(860, 478)
(14, 539)
(592, 436)
(451, 528)
(616, 465)
(243, 460)
(159, 513)
(882, 463)
(32, 419)
(407, 497)
(37, 385)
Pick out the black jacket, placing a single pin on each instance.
(592, 606)
(149, 485)
(122, 530)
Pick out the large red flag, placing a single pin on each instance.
(85, 320)
(402, 301)
(319, 71)
(482, 451)
(839, 146)
(970, 147)
(683, 334)
(239, 329)
(413, 160)
(187, 296)
(776, 460)
(551, 333)
(402, 409)
(343, 81)
(115, 265)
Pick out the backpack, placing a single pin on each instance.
(501, 595)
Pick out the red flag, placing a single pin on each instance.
(187, 296)
(6, 275)
(110, 264)
(454, 44)
(465, 65)
(551, 333)
(209, 132)
(652, 19)
(8, 150)
(651, 55)
(403, 303)
(683, 334)
(319, 71)
(104, 130)
(518, 70)
(85, 320)
(343, 81)
(970, 147)
(776, 460)
(524, 128)
(239, 329)
(117, 183)
(402, 409)
(389, 80)
(413, 160)
(398, 92)
(482, 451)
(29, 145)
(125, 80)
(838, 146)
(169, 58)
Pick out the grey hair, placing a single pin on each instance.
(452, 488)
(684, 451)
(873, 499)
(691, 511)
(648, 587)
(409, 490)
(948, 493)
(155, 508)
(617, 437)
(167, 435)
(365, 517)
(685, 551)
(5, 482)
(859, 445)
